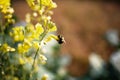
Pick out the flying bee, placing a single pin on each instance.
(60, 39)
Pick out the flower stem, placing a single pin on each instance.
(35, 57)
(44, 34)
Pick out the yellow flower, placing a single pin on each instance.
(42, 59)
(39, 28)
(23, 48)
(20, 48)
(50, 37)
(36, 45)
(38, 4)
(5, 2)
(29, 60)
(52, 27)
(44, 77)
(4, 5)
(33, 32)
(6, 48)
(21, 61)
(49, 3)
(28, 18)
(17, 34)
(29, 28)
(35, 14)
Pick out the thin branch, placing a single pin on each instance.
(35, 57)
(39, 48)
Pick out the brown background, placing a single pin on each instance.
(83, 24)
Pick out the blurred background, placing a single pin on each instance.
(92, 33)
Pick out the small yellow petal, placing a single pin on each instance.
(39, 28)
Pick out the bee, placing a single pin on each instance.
(60, 39)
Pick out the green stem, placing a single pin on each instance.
(35, 57)
(1, 29)
(40, 4)
(38, 48)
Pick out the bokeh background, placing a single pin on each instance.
(91, 29)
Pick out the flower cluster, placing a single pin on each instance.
(6, 13)
(22, 44)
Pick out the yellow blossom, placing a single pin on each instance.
(36, 45)
(42, 59)
(21, 61)
(49, 3)
(39, 28)
(35, 14)
(29, 60)
(17, 34)
(51, 26)
(5, 6)
(28, 18)
(50, 37)
(6, 48)
(44, 77)
(24, 47)
(5, 2)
